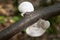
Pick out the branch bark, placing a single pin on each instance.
(28, 20)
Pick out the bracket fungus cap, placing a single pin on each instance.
(38, 28)
(25, 7)
(45, 24)
(34, 31)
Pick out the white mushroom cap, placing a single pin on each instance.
(44, 24)
(47, 24)
(25, 7)
(34, 31)
(38, 28)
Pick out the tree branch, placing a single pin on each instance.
(28, 20)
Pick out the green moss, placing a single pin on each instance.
(2, 19)
(52, 29)
(16, 18)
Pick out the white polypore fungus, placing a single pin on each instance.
(34, 31)
(43, 23)
(38, 28)
(25, 7)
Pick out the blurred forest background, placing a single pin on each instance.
(9, 14)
